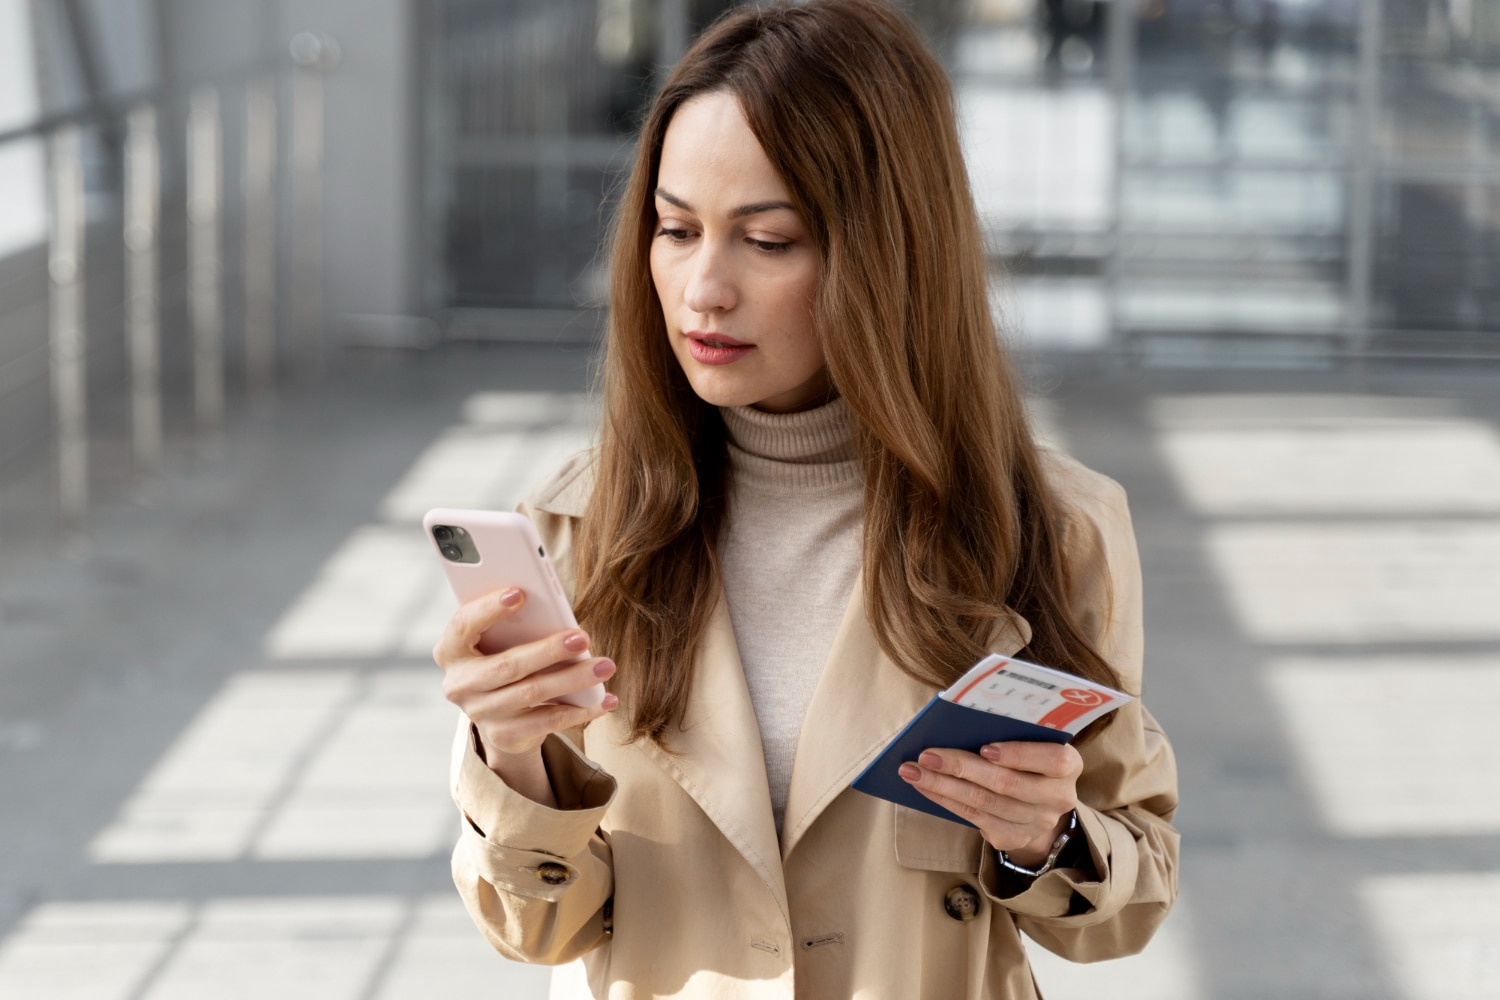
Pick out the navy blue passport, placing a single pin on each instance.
(940, 724)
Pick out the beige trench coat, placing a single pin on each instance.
(666, 873)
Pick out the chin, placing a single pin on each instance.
(716, 393)
(718, 387)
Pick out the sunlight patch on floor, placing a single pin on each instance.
(508, 444)
(382, 592)
(364, 600)
(1361, 583)
(87, 951)
(297, 765)
(322, 948)
(481, 468)
(1232, 467)
(1438, 932)
(1355, 723)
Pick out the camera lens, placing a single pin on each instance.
(453, 552)
(442, 533)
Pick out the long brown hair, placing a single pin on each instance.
(857, 117)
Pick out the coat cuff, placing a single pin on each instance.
(1066, 892)
(521, 845)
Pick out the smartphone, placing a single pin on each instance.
(483, 551)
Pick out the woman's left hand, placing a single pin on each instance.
(1020, 795)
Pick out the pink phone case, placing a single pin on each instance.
(501, 550)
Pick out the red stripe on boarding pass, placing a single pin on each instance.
(1075, 702)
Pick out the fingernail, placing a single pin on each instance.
(989, 752)
(511, 597)
(604, 669)
(930, 760)
(610, 703)
(577, 642)
(911, 772)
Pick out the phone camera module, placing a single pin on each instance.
(456, 544)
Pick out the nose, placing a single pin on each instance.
(710, 282)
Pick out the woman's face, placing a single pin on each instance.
(734, 265)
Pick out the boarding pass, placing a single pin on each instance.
(1030, 692)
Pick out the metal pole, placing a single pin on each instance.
(260, 236)
(142, 268)
(1360, 265)
(1476, 210)
(67, 337)
(205, 195)
(312, 54)
(1121, 41)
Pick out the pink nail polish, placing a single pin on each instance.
(610, 703)
(989, 752)
(576, 643)
(511, 597)
(930, 760)
(910, 772)
(604, 669)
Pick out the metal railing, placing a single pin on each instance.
(235, 252)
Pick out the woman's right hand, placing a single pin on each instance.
(510, 696)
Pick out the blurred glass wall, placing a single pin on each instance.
(1272, 181)
(529, 108)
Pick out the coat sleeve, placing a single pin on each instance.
(536, 881)
(1128, 789)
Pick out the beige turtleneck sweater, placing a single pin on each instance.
(789, 557)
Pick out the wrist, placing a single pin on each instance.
(1040, 856)
(525, 772)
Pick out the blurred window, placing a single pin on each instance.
(23, 221)
(1298, 178)
(531, 107)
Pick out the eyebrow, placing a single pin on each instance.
(738, 213)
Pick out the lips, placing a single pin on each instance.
(716, 348)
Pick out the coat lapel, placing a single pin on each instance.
(718, 759)
(862, 700)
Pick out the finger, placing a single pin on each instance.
(546, 686)
(469, 677)
(517, 662)
(1053, 760)
(1023, 786)
(975, 797)
(469, 622)
(1001, 834)
(530, 728)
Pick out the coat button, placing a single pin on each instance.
(552, 873)
(962, 903)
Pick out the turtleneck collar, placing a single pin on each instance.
(807, 452)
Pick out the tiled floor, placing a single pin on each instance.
(223, 750)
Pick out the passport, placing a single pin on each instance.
(1000, 699)
(941, 723)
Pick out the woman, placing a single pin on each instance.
(815, 501)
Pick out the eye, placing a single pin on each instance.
(768, 246)
(673, 235)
